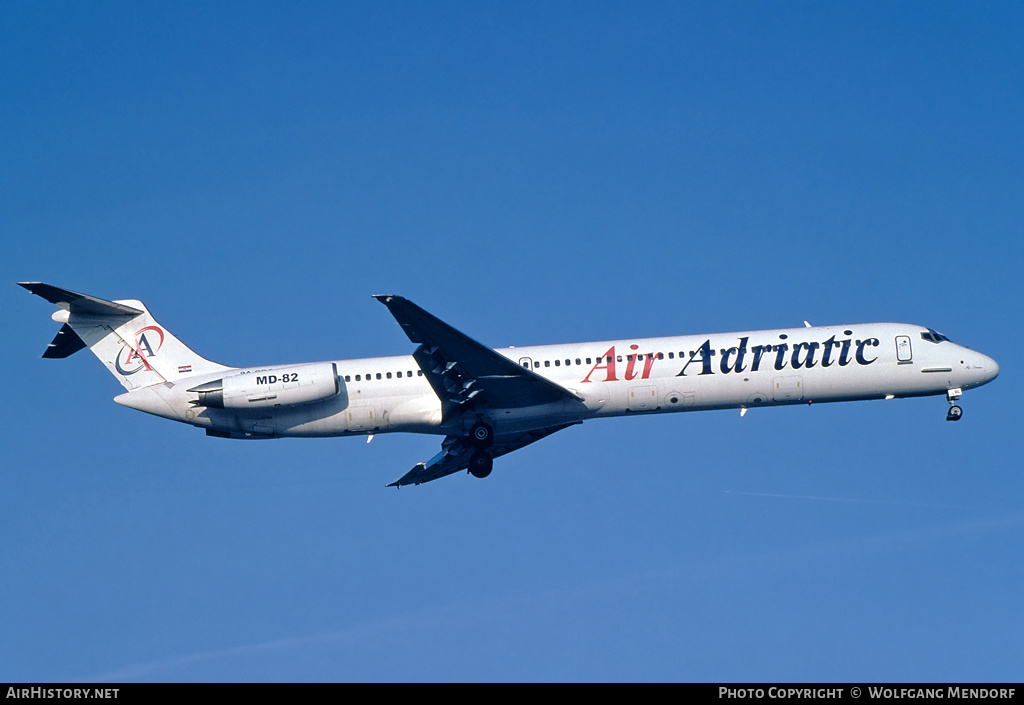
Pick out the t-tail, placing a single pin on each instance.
(123, 335)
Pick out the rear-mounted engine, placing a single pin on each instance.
(280, 386)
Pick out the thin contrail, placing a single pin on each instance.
(479, 610)
(850, 499)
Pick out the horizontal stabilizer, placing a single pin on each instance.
(79, 303)
(66, 343)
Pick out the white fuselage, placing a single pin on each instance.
(614, 378)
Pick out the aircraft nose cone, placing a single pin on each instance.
(991, 368)
(982, 368)
(977, 369)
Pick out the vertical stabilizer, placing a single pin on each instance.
(123, 335)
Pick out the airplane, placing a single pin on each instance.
(487, 403)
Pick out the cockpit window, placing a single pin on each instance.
(933, 336)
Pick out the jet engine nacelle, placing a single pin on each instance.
(279, 386)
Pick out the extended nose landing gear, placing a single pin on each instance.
(955, 412)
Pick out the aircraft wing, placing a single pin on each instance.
(456, 451)
(463, 372)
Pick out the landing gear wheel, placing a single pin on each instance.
(955, 412)
(480, 465)
(481, 435)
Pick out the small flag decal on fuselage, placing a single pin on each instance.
(184, 368)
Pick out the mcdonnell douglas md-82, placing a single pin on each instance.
(487, 403)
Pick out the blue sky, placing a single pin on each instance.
(531, 173)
